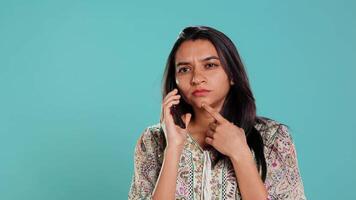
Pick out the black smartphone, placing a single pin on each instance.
(177, 114)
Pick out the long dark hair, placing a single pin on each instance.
(239, 106)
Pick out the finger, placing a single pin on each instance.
(170, 104)
(173, 92)
(216, 115)
(210, 133)
(187, 117)
(167, 109)
(212, 126)
(174, 97)
(164, 104)
(209, 140)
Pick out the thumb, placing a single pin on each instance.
(187, 117)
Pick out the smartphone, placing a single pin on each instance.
(177, 114)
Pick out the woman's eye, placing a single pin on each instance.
(182, 69)
(209, 65)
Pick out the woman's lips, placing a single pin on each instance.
(200, 93)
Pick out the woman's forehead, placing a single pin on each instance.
(197, 49)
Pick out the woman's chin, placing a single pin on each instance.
(198, 103)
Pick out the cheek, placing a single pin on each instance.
(222, 79)
(182, 83)
(220, 76)
(184, 90)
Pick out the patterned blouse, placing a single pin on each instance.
(199, 179)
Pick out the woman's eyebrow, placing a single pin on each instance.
(204, 59)
(210, 58)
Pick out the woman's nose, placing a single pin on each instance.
(197, 77)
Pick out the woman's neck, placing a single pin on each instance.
(202, 118)
(198, 127)
(199, 123)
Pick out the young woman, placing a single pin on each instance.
(209, 143)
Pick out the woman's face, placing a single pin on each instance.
(198, 67)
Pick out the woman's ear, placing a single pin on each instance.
(232, 82)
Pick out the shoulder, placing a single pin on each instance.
(283, 177)
(151, 139)
(273, 131)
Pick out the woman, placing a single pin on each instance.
(209, 143)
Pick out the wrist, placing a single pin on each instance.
(174, 149)
(241, 155)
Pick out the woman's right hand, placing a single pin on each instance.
(175, 135)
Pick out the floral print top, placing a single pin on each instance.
(199, 179)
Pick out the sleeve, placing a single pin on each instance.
(283, 179)
(146, 167)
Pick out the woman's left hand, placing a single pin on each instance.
(224, 136)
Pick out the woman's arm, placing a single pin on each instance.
(166, 183)
(248, 178)
(151, 180)
(283, 180)
(146, 166)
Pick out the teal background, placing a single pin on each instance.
(80, 80)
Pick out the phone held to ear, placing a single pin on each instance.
(177, 115)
